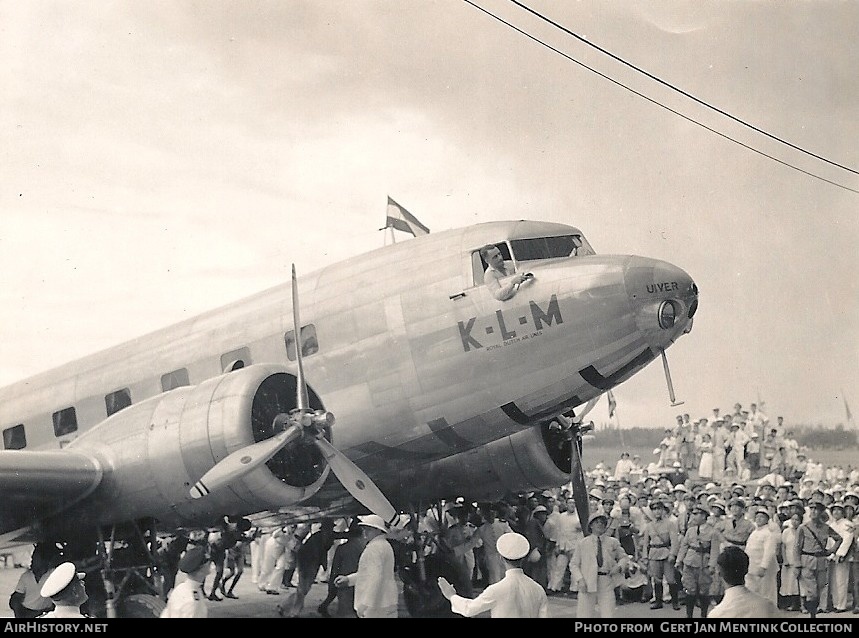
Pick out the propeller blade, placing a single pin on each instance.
(357, 483)
(301, 385)
(243, 461)
(588, 407)
(577, 478)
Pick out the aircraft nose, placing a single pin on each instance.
(663, 297)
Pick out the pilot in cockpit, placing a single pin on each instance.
(497, 270)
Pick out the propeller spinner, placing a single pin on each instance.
(301, 421)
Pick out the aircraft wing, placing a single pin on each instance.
(40, 483)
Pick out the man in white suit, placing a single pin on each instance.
(597, 567)
(375, 583)
(738, 601)
(763, 565)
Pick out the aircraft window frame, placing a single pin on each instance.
(15, 437)
(479, 265)
(65, 421)
(309, 342)
(550, 247)
(117, 400)
(175, 379)
(236, 359)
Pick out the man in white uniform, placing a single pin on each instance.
(514, 596)
(187, 600)
(67, 592)
(568, 535)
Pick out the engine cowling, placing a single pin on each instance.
(533, 459)
(154, 451)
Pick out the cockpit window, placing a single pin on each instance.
(550, 247)
(479, 264)
(533, 249)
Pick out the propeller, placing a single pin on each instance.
(588, 407)
(576, 429)
(243, 461)
(301, 421)
(577, 479)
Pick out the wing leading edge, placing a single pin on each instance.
(41, 483)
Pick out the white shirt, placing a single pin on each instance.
(761, 549)
(568, 531)
(492, 280)
(28, 586)
(64, 611)
(623, 468)
(846, 529)
(186, 600)
(514, 596)
(739, 602)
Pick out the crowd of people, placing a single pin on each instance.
(742, 445)
(732, 517)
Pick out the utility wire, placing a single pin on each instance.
(659, 104)
(678, 90)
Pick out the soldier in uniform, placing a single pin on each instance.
(659, 544)
(736, 528)
(696, 558)
(811, 541)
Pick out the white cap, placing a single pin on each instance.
(512, 546)
(373, 520)
(59, 579)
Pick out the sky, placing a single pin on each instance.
(164, 158)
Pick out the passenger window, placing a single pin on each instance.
(309, 343)
(115, 401)
(175, 379)
(235, 360)
(65, 422)
(15, 438)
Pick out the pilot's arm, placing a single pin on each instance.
(492, 279)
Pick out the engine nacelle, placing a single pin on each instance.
(154, 451)
(532, 459)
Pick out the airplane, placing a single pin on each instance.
(408, 383)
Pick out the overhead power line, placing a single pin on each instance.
(677, 89)
(667, 108)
